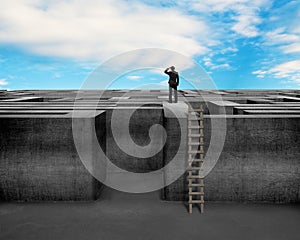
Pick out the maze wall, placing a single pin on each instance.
(38, 159)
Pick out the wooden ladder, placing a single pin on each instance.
(195, 158)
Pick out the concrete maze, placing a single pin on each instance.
(260, 160)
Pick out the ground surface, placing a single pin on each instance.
(129, 216)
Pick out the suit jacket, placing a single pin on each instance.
(173, 78)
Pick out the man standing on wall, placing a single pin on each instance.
(173, 82)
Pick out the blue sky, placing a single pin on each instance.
(240, 44)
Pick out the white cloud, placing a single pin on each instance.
(259, 73)
(292, 48)
(229, 50)
(216, 5)
(98, 29)
(279, 36)
(289, 70)
(246, 25)
(156, 60)
(286, 38)
(3, 82)
(260, 76)
(219, 66)
(208, 63)
(134, 77)
(244, 13)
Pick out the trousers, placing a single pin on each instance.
(175, 95)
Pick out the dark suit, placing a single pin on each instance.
(173, 83)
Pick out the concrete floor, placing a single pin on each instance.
(128, 216)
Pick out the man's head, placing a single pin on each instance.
(172, 68)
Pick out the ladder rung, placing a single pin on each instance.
(195, 127)
(196, 201)
(195, 177)
(195, 151)
(196, 110)
(196, 193)
(195, 119)
(195, 160)
(195, 114)
(195, 143)
(195, 135)
(196, 185)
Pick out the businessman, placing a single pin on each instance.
(173, 82)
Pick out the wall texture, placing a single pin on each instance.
(139, 126)
(39, 161)
(260, 162)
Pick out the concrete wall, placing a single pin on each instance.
(38, 160)
(172, 124)
(139, 126)
(260, 162)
